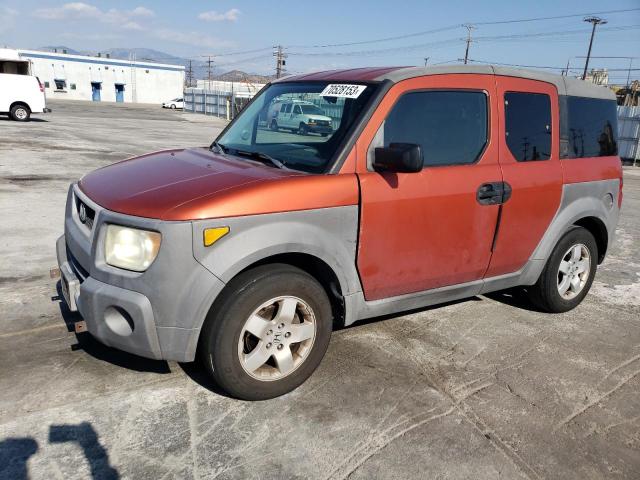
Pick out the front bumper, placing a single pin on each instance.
(320, 128)
(156, 314)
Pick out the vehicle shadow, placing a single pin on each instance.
(32, 119)
(197, 373)
(514, 297)
(98, 350)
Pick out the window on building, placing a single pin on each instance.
(61, 84)
(588, 127)
(528, 125)
(46, 85)
(450, 126)
(72, 86)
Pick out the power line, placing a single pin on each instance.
(453, 27)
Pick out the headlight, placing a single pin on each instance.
(131, 248)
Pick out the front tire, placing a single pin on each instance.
(568, 274)
(20, 113)
(267, 332)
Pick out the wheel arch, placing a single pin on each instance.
(317, 268)
(20, 102)
(598, 229)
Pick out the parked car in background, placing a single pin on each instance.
(437, 184)
(21, 94)
(173, 104)
(300, 117)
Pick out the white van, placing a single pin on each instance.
(300, 117)
(21, 94)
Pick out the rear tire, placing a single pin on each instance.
(20, 113)
(568, 274)
(267, 332)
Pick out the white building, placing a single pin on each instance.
(79, 77)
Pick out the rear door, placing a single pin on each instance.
(528, 139)
(420, 231)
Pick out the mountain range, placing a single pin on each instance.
(199, 67)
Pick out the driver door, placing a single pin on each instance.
(420, 231)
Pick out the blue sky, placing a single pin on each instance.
(194, 28)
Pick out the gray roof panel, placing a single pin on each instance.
(564, 85)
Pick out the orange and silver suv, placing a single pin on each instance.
(435, 184)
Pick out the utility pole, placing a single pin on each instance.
(426, 60)
(209, 71)
(595, 21)
(469, 27)
(280, 60)
(566, 72)
(190, 75)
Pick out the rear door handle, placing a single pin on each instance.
(493, 193)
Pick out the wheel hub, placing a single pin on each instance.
(574, 270)
(277, 338)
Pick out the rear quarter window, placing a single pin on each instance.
(528, 125)
(588, 127)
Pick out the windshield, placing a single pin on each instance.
(311, 109)
(277, 124)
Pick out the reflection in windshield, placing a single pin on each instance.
(294, 124)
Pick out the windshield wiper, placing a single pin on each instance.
(262, 156)
(219, 147)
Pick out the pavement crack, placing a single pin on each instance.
(586, 407)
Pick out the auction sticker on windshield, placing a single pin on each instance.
(343, 91)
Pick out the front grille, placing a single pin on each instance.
(323, 123)
(86, 214)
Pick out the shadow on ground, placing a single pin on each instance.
(16, 452)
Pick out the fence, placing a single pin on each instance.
(220, 104)
(629, 134)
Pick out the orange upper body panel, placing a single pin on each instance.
(196, 184)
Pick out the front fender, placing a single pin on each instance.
(329, 234)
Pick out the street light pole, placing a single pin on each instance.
(594, 21)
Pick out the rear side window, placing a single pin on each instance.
(528, 125)
(450, 126)
(588, 127)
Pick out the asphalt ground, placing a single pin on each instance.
(479, 389)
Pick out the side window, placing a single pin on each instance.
(283, 108)
(288, 108)
(450, 126)
(297, 110)
(588, 127)
(528, 125)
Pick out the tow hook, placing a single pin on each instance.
(80, 326)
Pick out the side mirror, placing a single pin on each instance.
(398, 157)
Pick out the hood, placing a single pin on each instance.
(314, 116)
(155, 184)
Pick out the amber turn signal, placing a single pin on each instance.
(212, 235)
